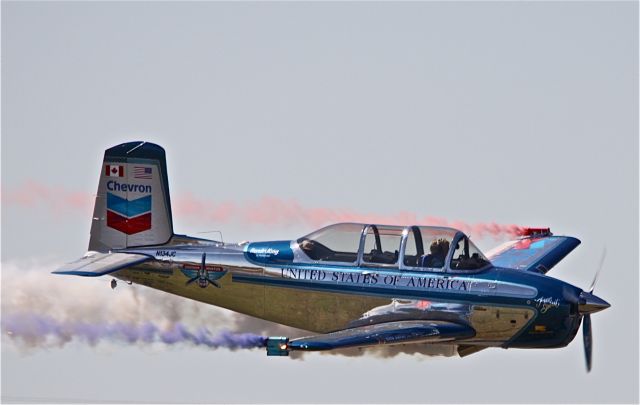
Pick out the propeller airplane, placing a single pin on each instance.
(352, 285)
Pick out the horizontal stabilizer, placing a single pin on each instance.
(95, 264)
(378, 334)
(537, 254)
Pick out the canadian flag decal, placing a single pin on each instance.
(114, 171)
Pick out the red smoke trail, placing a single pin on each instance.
(58, 199)
(268, 211)
(271, 211)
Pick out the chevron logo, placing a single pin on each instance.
(129, 217)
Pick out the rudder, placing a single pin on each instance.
(132, 205)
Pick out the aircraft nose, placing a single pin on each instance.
(589, 303)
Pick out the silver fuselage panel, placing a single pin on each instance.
(328, 298)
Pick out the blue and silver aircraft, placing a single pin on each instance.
(352, 285)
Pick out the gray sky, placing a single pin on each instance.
(521, 113)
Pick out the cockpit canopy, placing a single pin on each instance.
(413, 247)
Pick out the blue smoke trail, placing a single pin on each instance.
(33, 329)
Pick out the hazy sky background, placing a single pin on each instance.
(522, 113)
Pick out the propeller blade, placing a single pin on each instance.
(595, 278)
(588, 340)
(589, 303)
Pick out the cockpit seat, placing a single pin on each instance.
(382, 257)
(432, 261)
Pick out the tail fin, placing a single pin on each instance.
(132, 204)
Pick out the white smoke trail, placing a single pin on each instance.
(43, 310)
(40, 309)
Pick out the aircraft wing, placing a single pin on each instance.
(98, 264)
(384, 333)
(537, 254)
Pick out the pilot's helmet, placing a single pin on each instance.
(439, 247)
(444, 245)
(435, 247)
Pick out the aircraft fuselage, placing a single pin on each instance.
(505, 307)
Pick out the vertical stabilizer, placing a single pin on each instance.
(132, 204)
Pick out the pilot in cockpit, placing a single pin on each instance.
(438, 253)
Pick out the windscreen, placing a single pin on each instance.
(334, 243)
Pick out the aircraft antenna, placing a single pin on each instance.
(218, 232)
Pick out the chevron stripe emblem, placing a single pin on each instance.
(129, 216)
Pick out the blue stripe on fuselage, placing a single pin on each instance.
(379, 291)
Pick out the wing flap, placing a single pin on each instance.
(95, 264)
(537, 254)
(385, 333)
